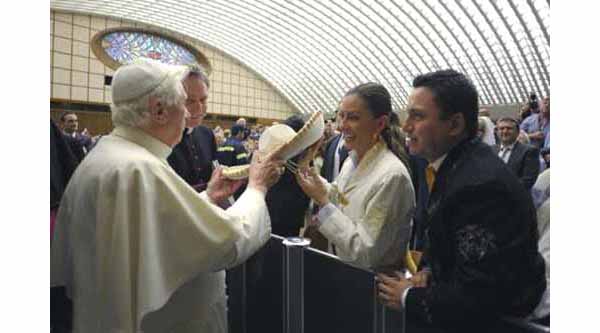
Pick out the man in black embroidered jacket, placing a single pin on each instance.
(480, 260)
(192, 157)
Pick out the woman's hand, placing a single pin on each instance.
(313, 185)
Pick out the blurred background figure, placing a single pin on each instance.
(219, 135)
(521, 159)
(232, 152)
(80, 143)
(485, 131)
(334, 152)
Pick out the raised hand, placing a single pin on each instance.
(220, 188)
(313, 185)
(265, 171)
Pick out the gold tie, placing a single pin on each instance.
(430, 176)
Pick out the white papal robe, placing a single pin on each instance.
(139, 250)
(372, 205)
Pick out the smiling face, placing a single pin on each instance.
(507, 131)
(358, 126)
(428, 135)
(197, 100)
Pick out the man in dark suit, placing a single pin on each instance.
(192, 157)
(335, 155)
(480, 258)
(522, 159)
(80, 143)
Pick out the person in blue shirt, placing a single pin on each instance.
(537, 126)
(232, 152)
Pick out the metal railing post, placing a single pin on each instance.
(293, 284)
(386, 320)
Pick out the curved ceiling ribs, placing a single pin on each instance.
(313, 52)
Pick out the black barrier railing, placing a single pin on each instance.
(343, 298)
(288, 287)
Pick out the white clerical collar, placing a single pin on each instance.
(438, 163)
(136, 135)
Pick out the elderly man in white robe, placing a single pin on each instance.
(137, 248)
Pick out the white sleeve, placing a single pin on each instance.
(379, 238)
(252, 207)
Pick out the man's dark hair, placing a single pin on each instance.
(235, 129)
(511, 120)
(65, 114)
(295, 122)
(453, 93)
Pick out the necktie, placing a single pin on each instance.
(430, 176)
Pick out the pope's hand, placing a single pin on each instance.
(220, 188)
(313, 185)
(264, 171)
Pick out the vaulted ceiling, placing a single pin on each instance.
(314, 51)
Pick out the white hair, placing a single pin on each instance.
(488, 131)
(135, 112)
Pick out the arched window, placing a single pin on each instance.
(115, 47)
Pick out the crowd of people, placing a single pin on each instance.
(146, 223)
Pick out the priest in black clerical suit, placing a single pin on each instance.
(192, 157)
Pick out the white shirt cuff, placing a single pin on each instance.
(258, 193)
(404, 294)
(205, 196)
(325, 212)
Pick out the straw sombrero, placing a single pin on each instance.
(283, 142)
